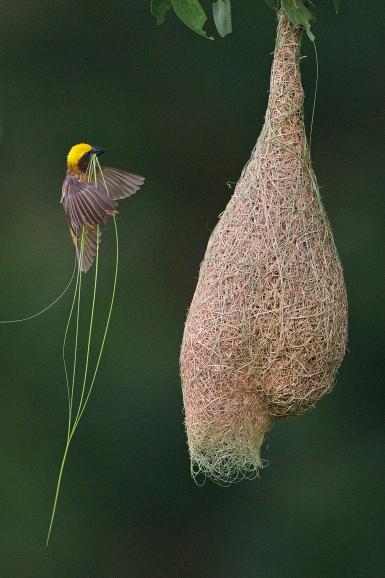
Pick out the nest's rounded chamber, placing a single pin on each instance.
(267, 327)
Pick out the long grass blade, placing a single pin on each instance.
(77, 297)
(76, 422)
(45, 308)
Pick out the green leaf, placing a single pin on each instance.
(300, 15)
(192, 14)
(336, 5)
(159, 9)
(222, 16)
(273, 4)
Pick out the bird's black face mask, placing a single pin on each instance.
(85, 160)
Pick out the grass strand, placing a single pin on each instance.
(315, 94)
(45, 308)
(77, 297)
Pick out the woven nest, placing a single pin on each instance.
(267, 327)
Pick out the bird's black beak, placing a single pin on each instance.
(98, 151)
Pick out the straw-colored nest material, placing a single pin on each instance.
(267, 327)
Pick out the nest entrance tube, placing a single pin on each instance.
(267, 327)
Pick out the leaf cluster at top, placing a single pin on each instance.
(191, 13)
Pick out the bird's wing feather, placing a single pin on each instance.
(119, 184)
(84, 204)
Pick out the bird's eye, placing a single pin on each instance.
(87, 154)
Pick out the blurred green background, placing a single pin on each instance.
(185, 113)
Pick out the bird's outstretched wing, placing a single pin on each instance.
(84, 204)
(85, 241)
(119, 184)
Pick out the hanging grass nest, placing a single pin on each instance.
(267, 327)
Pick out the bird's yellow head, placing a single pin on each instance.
(79, 157)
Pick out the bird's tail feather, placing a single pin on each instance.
(86, 243)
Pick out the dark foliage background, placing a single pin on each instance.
(185, 112)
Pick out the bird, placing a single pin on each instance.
(88, 204)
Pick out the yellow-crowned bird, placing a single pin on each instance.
(87, 204)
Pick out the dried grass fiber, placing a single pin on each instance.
(267, 327)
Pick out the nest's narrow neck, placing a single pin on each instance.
(286, 93)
